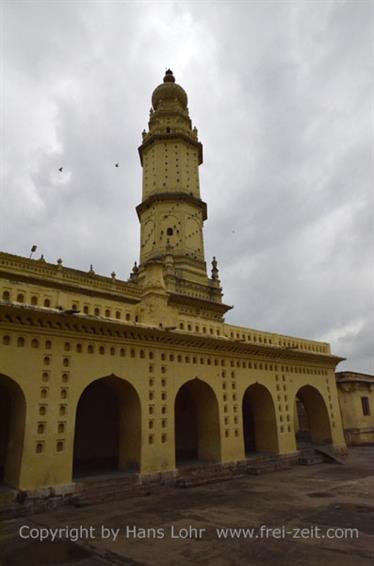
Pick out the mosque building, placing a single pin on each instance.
(356, 398)
(145, 376)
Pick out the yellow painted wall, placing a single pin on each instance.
(53, 378)
(359, 428)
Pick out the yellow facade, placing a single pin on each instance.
(148, 376)
(356, 398)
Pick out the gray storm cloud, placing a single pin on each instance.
(280, 93)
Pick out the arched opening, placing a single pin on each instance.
(12, 430)
(107, 428)
(197, 431)
(311, 419)
(259, 420)
(301, 423)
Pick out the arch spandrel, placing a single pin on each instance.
(83, 382)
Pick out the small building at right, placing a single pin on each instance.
(356, 399)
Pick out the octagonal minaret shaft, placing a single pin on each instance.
(171, 212)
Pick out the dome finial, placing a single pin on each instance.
(168, 92)
(169, 77)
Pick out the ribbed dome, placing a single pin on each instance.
(168, 91)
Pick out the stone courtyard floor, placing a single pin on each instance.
(287, 511)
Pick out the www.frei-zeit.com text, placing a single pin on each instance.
(188, 532)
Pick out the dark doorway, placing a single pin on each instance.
(259, 420)
(312, 423)
(303, 436)
(12, 430)
(197, 431)
(5, 411)
(107, 429)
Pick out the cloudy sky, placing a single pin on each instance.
(281, 95)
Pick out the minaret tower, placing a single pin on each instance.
(172, 213)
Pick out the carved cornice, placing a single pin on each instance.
(350, 386)
(354, 377)
(56, 276)
(279, 340)
(173, 196)
(58, 322)
(179, 298)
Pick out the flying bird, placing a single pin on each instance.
(61, 168)
(116, 165)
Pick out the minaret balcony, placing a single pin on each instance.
(162, 137)
(174, 196)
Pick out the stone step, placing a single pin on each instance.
(328, 454)
(97, 491)
(8, 502)
(268, 467)
(93, 484)
(109, 487)
(311, 460)
(194, 481)
(200, 475)
(7, 495)
(104, 490)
